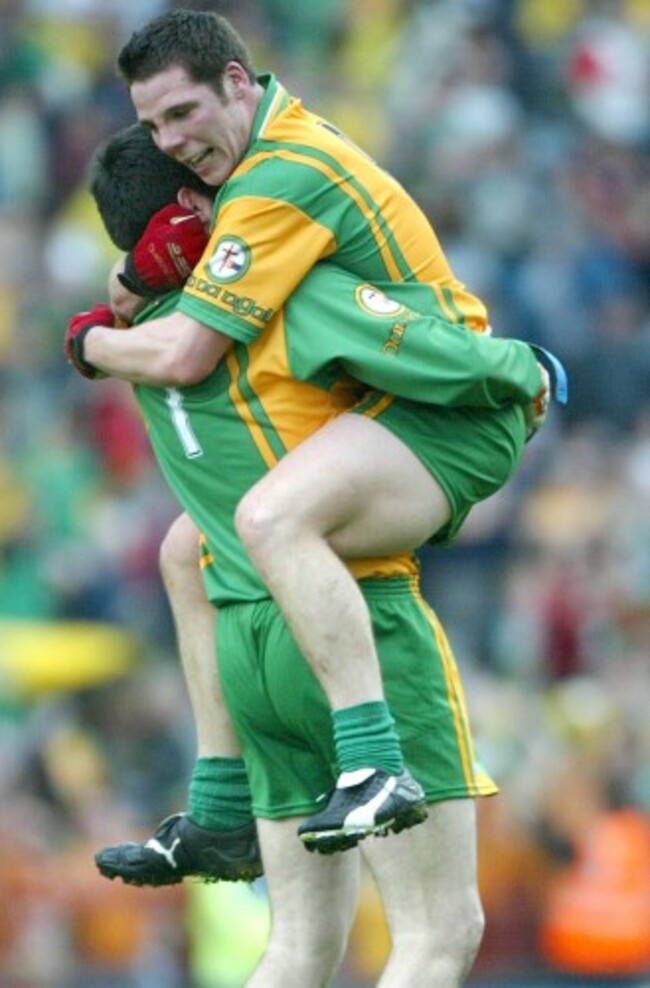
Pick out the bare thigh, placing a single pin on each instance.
(313, 901)
(427, 880)
(359, 486)
(424, 871)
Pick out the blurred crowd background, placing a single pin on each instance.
(523, 128)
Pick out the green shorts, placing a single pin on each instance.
(284, 723)
(471, 452)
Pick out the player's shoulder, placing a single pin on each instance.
(275, 173)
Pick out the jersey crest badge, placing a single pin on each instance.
(376, 303)
(230, 261)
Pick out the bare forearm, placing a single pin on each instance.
(134, 355)
(173, 351)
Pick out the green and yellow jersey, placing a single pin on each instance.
(216, 439)
(304, 193)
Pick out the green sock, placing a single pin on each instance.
(220, 796)
(365, 736)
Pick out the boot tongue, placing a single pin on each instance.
(348, 779)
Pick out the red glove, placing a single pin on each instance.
(73, 343)
(164, 256)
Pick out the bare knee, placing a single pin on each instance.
(469, 930)
(300, 962)
(179, 550)
(442, 951)
(460, 932)
(265, 520)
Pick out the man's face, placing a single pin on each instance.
(191, 123)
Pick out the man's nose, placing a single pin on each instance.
(169, 138)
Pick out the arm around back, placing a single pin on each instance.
(175, 351)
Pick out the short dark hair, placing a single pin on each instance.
(130, 179)
(199, 41)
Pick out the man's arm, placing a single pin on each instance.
(173, 351)
(333, 321)
(443, 364)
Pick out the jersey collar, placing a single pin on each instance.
(274, 101)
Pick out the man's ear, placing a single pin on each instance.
(196, 202)
(235, 81)
(184, 198)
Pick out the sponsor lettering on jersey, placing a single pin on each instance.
(395, 339)
(242, 305)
